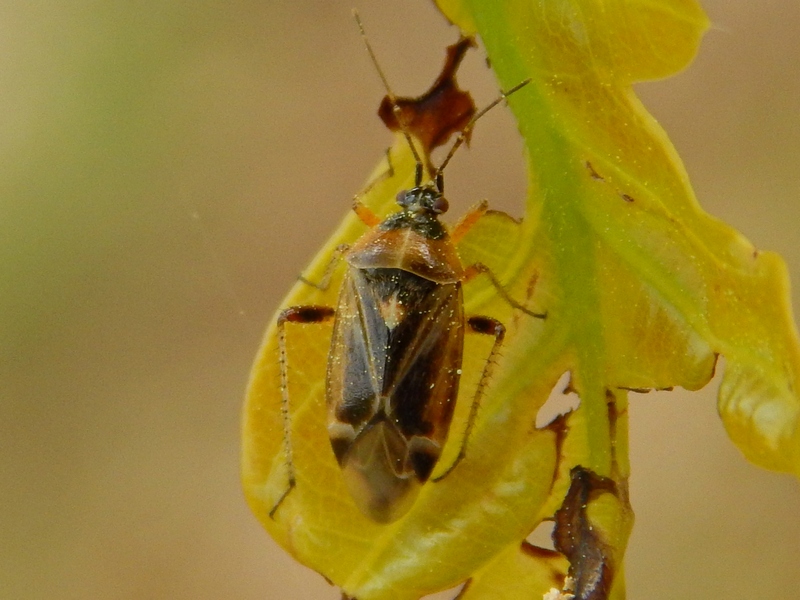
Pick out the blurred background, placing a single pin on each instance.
(168, 169)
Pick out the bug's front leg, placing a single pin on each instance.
(481, 269)
(370, 219)
(302, 315)
(324, 283)
(486, 326)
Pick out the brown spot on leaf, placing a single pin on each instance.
(537, 551)
(592, 173)
(636, 390)
(714, 366)
(545, 556)
(590, 558)
(559, 426)
(627, 198)
(569, 388)
(441, 111)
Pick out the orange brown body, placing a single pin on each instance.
(395, 359)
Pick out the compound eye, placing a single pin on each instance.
(440, 205)
(402, 198)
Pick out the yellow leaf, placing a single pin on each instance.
(621, 222)
(642, 290)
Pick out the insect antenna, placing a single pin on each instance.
(464, 135)
(393, 100)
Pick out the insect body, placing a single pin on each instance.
(395, 359)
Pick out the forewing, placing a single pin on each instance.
(356, 361)
(425, 351)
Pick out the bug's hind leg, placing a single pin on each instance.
(486, 326)
(301, 315)
(466, 223)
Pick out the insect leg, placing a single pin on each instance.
(487, 326)
(323, 283)
(468, 220)
(369, 218)
(387, 174)
(479, 268)
(363, 212)
(303, 315)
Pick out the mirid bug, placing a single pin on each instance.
(394, 364)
